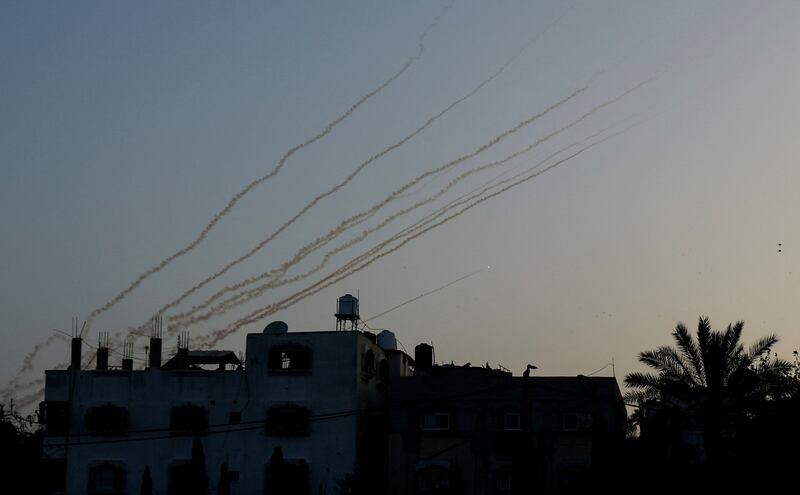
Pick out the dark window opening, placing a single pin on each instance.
(289, 359)
(383, 371)
(188, 420)
(504, 479)
(434, 421)
(577, 421)
(291, 476)
(55, 415)
(55, 475)
(233, 475)
(106, 479)
(180, 478)
(368, 366)
(288, 421)
(106, 419)
(512, 422)
(235, 417)
(432, 478)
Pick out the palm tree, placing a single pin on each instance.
(711, 379)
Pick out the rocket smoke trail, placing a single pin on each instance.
(249, 187)
(252, 293)
(345, 271)
(245, 296)
(27, 365)
(494, 141)
(348, 269)
(248, 295)
(347, 180)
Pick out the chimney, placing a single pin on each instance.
(423, 357)
(102, 358)
(155, 352)
(75, 360)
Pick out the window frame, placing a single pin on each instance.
(117, 472)
(280, 356)
(427, 421)
(96, 425)
(506, 416)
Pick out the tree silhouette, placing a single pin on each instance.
(712, 380)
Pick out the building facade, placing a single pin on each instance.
(464, 429)
(311, 398)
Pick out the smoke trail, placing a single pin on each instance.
(342, 184)
(28, 400)
(27, 363)
(424, 294)
(344, 271)
(348, 270)
(250, 294)
(364, 215)
(249, 187)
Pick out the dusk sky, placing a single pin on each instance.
(126, 126)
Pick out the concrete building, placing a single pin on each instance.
(330, 412)
(465, 429)
(317, 396)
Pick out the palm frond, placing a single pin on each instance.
(688, 346)
(703, 337)
(670, 364)
(761, 346)
(642, 380)
(731, 337)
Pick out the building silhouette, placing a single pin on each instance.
(328, 412)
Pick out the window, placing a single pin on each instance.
(289, 359)
(291, 476)
(106, 419)
(55, 475)
(504, 479)
(106, 479)
(288, 421)
(235, 417)
(433, 478)
(56, 415)
(434, 421)
(577, 421)
(188, 419)
(512, 422)
(368, 366)
(383, 371)
(180, 478)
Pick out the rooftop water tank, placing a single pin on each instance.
(347, 305)
(387, 340)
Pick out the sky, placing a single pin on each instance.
(125, 127)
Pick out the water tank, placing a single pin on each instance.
(387, 340)
(423, 356)
(276, 327)
(347, 305)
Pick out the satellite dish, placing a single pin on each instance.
(276, 327)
